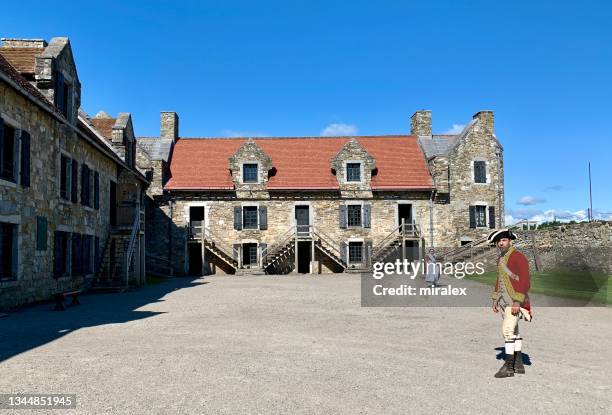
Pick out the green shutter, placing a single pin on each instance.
(41, 233)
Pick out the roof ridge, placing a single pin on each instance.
(295, 137)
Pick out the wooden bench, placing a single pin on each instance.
(59, 299)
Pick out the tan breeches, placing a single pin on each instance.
(510, 329)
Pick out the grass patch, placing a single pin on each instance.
(562, 283)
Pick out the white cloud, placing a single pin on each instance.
(339, 129)
(455, 129)
(549, 215)
(530, 200)
(234, 133)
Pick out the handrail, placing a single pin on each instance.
(130, 251)
(207, 234)
(326, 238)
(383, 244)
(277, 245)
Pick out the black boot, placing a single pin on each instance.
(518, 363)
(507, 370)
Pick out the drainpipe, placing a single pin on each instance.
(431, 233)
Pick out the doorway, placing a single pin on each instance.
(304, 256)
(194, 252)
(302, 219)
(249, 255)
(404, 212)
(196, 220)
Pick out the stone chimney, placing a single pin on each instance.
(169, 125)
(485, 118)
(23, 43)
(420, 124)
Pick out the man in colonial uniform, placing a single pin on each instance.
(510, 297)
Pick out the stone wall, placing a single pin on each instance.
(451, 213)
(577, 247)
(21, 205)
(324, 215)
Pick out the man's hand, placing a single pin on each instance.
(495, 308)
(516, 308)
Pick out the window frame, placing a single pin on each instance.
(352, 244)
(483, 217)
(242, 172)
(255, 209)
(68, 190)
(352, 165)
(15, 152)
(361, 171)
(14, 254)
(486, 171)
(348, 214)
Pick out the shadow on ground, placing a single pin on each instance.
(501, 355)
(34, 326)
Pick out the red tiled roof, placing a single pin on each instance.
(104, 126)
(301, 162)
(22, 59)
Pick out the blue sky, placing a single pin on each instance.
(362, 67)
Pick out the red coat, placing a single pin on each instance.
(518, 276)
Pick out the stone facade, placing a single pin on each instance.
(443, 215)
(39, 209)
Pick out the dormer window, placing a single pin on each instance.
(249, 173)
(63, 95)
(353, 172)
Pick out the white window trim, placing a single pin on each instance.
(188, 207)
(249, 204)
(361, 172)
(348, 241)
(259, 175)
(487, 171)
(486, 205)
(354, 203)
(310, 212)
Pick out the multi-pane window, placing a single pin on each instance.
(85, 185)
(61, 257)
(481, 216)
(8, 251)
(353, 172)
(480, 172)
(353, 213)
(7, 156)
(249, 173)
(249, 217)
(355, 252)
(65, 177)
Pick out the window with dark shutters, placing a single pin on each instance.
(354, 216)
(342, 218)
(41, 233)
(25, 159)
(263, 218)
(65, 178)
(96, 190)
(60, 254)
(473, 217)
(367, 216)
(85, 193)
(343, 249)
(7, 153)
(77, 255)
(74, 182)
(492, 217)
(480, 172)
(249, 217)
(237, 218)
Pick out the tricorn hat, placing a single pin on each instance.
(501, 233)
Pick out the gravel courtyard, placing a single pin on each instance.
(298, 344)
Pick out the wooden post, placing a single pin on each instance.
(295, 253)
(403, 224)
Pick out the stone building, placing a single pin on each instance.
(71, 197)
(318, 204)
